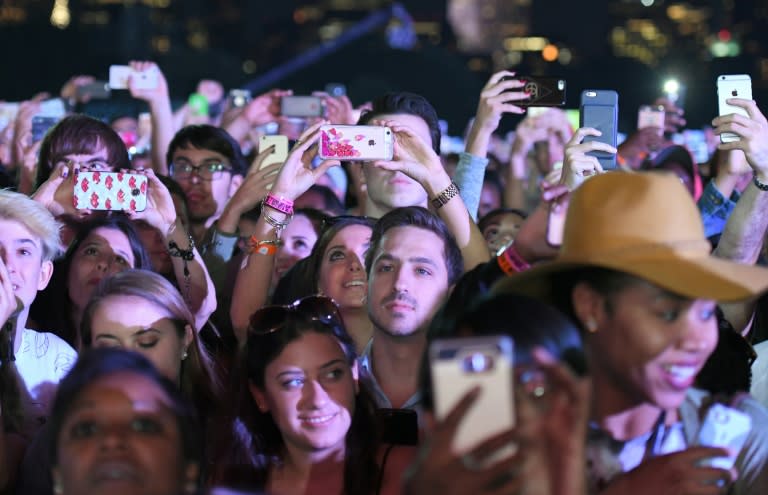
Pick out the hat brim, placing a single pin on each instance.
(695, 278)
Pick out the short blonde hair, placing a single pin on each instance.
(35, 218)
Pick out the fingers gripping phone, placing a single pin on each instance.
(111, 191)
(726, 427)
(599, 109)
(279, 154)
(457, 366)
(732, 86)
(356, 142)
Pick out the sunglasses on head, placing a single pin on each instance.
(269, 319)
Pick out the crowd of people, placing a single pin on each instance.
(266, 329)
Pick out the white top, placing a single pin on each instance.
(759, 388)
(42, 361)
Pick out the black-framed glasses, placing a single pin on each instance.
(270, 319)
(207, 171)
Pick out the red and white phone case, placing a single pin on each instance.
(114, 191)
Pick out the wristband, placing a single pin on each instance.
(264, 248)
(760, 185)
(446, 195)
(280, 204)
(510, 261)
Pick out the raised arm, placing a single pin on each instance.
(745, 230)
(159, 102)
(419, 161)
(254, 277)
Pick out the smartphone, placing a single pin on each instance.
(239, 98)
(356, 142)
(335, 89)
(301, 106)
(555, 226)
(111, 191)
(97, 90)
(732, 86)
(724, 426)
(458, 365)
(599, 109)
(53, 108)
(120, 74)
(279, 154)
(651, 116)
(41, 125)
(198, 105)
(545, 91)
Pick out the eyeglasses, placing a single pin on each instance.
(207, 171)
(270, 319)
(96, 165)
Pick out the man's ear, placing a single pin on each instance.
(259, 397)
(46, 272)
(234, 184)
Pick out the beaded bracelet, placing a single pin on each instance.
(760, 185)
(187, 255)
(280, 204)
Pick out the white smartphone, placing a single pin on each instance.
(651, 116)
(120, 74)
(458, 365)
(279, 154)
(724, 426)
(732, 86)
(356, 142)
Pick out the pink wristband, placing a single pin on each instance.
(280, 204)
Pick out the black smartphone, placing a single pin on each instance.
(96, 90)
(41, 125)
(545, 91)
(398, 426)
(599, 109)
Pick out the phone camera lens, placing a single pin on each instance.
(478, 362)
(135, 191)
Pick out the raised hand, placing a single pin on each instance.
(151, 95)
(753, 134)
(578, 165)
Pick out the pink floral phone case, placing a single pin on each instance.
(112, 191)
(355, 142)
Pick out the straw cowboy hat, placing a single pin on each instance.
(644, 224)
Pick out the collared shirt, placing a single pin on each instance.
(715, 209)
(381, 399)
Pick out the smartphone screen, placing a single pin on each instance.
(544, 91)
(600, 110)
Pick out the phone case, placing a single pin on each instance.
(599, 109)
(649, 116)
(112, 191)
(545, 92)
(732, 86)
(41, 125)
(356, 142)
(301, 106)
(279, 154)
(119, 75)
(724, 426)
(459, 365)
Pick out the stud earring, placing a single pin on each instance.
(591, 325)
(184, 355)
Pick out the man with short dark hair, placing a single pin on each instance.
(412, 264)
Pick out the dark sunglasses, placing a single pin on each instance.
(269, 319)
